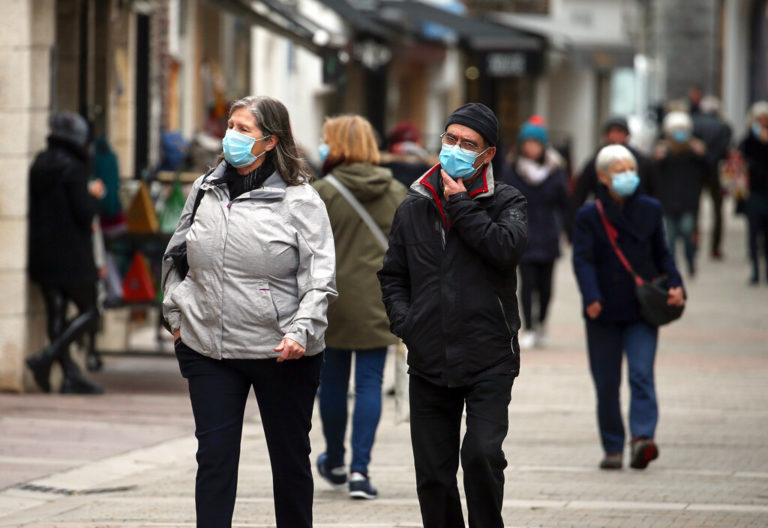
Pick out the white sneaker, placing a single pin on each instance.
(541, 337)
(527, 339)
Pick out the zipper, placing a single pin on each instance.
(223, 281)
(504, 314)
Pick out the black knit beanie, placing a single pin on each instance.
(479, 118)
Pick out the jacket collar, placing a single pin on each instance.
(273, 189)
(631, 218)
(430, 184)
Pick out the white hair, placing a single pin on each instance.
(677, 121)
(710, 104)
(758, 109)
(610, 154)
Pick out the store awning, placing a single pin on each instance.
(600, 50)
(475, 33)
(360, 20)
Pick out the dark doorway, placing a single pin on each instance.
(141, 152)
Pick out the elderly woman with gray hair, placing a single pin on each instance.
(250, 313)
(614, 325)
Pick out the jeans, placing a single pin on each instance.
(682, 226)
(437, 448)
(606, 343)
(285, 393)
(334, 384)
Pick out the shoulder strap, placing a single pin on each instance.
(378, 234)
(612, 234)
(198, 198)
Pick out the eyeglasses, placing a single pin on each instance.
(467, 147)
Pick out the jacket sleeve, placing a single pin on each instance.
(499, 242)
(316, 274)
(394, 277)
(83, 205)
(586, 183)
(169, 278)
(584, 259)
(664, 261)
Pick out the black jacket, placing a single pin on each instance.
(755, 154)
(61, 212)
(449, 278)
(678, 180)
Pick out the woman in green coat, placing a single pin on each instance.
(357, 321)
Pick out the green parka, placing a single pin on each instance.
(357, 320)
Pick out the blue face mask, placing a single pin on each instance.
(756, 129)
(458, 163)
(323, 150)
(237, 148)
(681, 136)
(625, 183)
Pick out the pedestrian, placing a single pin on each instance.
(357, 321)
(754, 149)
(710, 128)
(405, 155)
(62, 208)
(615, 132)
(681, 171)
(448, 282)
(539, 172)
(611, 312)
(251, 311)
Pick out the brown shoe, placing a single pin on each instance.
(643, 451)
(611, 461)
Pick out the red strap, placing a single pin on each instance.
(612, 234)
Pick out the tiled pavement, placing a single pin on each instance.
(127, 458)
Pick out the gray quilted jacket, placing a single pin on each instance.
(260, 268)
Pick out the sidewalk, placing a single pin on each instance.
(126, 459)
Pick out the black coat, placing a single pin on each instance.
(61, 212)
(547, 210)
(599, 272)
(755, 154)
(678, 180)
(449, 280)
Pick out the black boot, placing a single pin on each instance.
(74, 381)
(40, 365)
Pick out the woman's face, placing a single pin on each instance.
(617, 167)
(532, 149)
(242, 121)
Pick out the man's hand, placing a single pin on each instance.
(451, 186)
(594, 309)
(97, 189)
(289, 349)
(676, 297)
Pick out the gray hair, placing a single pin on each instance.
(610, 154)
(677, 121)
(760, 108)
(272, 118)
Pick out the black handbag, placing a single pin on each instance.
(651, 294)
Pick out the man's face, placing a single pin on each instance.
(616, 136)
(471, 140)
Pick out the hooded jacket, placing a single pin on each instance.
(357, 319)
(449, 278)
(61, 212)
(261, 267)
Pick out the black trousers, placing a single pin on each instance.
(57, 299)
(285, 393)
(535, 278)
(435, 430)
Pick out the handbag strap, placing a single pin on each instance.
(378, 234)
(613, 234)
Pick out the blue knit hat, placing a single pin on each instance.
(533, 131)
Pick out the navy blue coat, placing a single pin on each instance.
(547, 210)
(599, 272)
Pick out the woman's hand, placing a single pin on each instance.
(676, 297)
(594, 309)
(176, 337)
(289, 349)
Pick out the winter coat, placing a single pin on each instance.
(678, 180)
(261, 268)
(357, 320)
(755, 154)
(61, 213)
(599, 272)
(547, 205)
(587, 182)
(449, 278)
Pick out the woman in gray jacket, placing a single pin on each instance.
(251, 311)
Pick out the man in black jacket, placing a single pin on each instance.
(448, 283)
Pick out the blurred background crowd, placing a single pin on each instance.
(680, 82)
